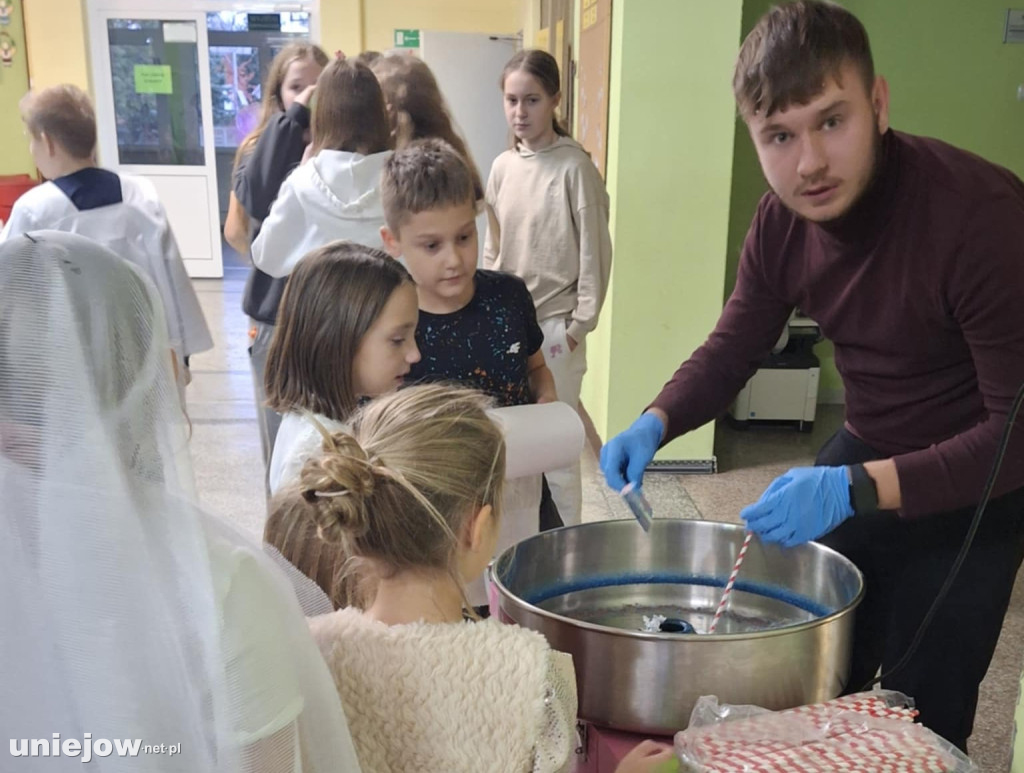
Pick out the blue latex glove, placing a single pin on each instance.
(631, 451)
(802, 505)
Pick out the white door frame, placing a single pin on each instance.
(202, 255)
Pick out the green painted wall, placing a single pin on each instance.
(950, 76)
(748, 184)
(14, 155)
(669, 175)
(950, 73)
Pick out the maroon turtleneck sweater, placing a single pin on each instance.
(921, 289)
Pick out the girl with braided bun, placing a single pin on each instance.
(411, 499)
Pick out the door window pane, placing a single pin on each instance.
(157, 107)
(242, 46)
(235, 82)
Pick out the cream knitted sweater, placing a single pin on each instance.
(450, 697)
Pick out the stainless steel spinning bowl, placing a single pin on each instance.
(784, 642)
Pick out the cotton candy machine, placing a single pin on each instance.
(784, 640)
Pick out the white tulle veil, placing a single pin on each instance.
(126, 613)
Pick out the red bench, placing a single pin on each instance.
(11, 188)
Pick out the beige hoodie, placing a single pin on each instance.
(547, 214)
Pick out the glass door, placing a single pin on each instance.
(155, 119)
(242, 46)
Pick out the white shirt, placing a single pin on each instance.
(297, 440)
(136, 230)
(274, 677)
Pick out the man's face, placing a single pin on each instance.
(819, 157)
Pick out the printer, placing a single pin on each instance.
(784, 391)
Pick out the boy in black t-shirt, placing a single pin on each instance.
(487, 343)
(478, 328)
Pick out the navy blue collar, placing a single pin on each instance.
(91, 188)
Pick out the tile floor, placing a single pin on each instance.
(229, 475)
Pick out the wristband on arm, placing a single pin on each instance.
(863, 492)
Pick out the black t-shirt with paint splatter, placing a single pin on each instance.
(485, 344)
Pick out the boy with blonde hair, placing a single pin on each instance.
(121, 212)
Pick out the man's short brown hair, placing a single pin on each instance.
(794, 49)
(64, 114)
(427, 174)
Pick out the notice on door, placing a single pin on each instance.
(153, 79)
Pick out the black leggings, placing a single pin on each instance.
(905, 562)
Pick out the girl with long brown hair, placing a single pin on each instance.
(416, 107)
(336, 194)
(345, 332)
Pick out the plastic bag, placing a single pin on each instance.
(869, 731)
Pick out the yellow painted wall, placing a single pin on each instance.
(529, 21)
(57, 31)
(341, 26)
(382, 17)
(57, 43)
(14, 155)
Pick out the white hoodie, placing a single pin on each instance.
(335, 195)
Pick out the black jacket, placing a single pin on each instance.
(257, 179)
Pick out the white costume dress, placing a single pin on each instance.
(128, 614)
(124, 214)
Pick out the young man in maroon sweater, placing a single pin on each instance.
(909, 254)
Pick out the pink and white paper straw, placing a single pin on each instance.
(732, 581)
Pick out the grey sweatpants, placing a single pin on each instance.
(268, 419)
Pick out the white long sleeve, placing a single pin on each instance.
(286, 235)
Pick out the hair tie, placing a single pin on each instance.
(330, 494)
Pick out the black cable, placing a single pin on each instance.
(954, 570)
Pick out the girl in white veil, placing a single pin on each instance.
(125, 613)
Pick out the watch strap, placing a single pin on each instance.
(863, 492)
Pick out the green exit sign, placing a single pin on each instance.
(407, 38)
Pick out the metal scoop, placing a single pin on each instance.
(638, 503)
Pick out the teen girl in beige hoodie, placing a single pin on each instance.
(548, 224)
